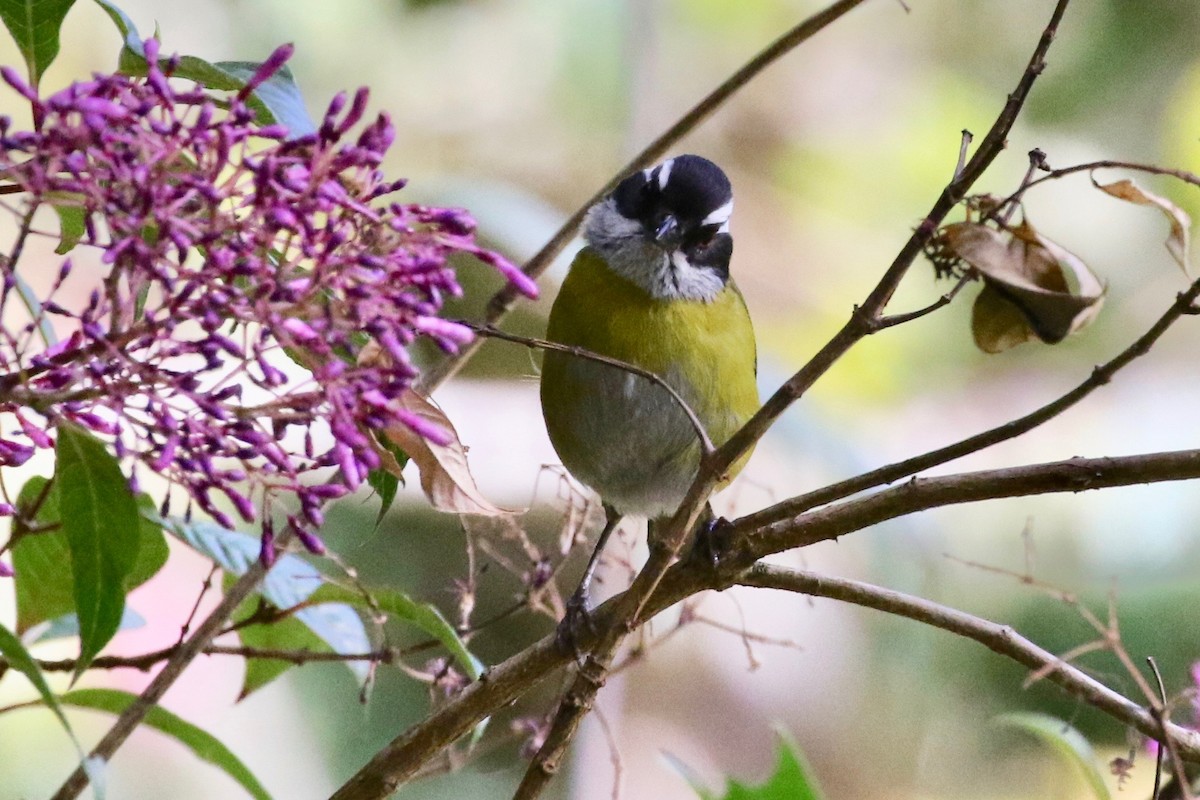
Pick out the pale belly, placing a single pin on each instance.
(630, 441)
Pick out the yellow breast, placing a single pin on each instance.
(620, 434)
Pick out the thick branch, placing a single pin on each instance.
(920, 494)
(403, 758)
(999, 638)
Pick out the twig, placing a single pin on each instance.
(503, 301)
(999, 638)
(964, 147)
(492, 332)
(1158, 759)
(881, 323)
(1099, 376)
(184, 654)
(1159, 706)
(860, 322)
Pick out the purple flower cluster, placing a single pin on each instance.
(240, 275)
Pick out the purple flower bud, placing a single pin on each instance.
(5, 570)
(273, 64)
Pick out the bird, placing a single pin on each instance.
(651, 288)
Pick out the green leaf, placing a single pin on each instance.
(386, 479)
(279, 95)
(385, 485)
(203, 745)
(400, 606)
(35, 25)
(291, 581)
(19, 659)
(1066, 741)
(42, 561)
(284, 634)
(132, 57)
(792, 779)
(101, 522)
(31, 302)
(71, 226)
(277, 99)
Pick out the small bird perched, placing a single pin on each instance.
(651, 289)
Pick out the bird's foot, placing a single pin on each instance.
(714, 541)
(576, 623)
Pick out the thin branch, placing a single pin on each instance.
(184, 654)
(881, 323)
(921, 494)
(1090, 166)
(503, 301)
(964, 147)
(1162, 720)
(492, 332)
(999, 638)
(147, 661)
(860, 322)
(1099, 376)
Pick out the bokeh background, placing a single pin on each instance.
(519, 110)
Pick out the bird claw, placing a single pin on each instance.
(570, 630)
(714, 541)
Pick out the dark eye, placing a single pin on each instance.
(702, 237)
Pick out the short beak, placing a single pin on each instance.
(667, 233)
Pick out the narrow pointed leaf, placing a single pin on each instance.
(203, 745)
(402, 607)
(1066, 741)
(34, 26)
(279, 94)
(101, 522)
(132, 49)
(31, 302)
(19, 659)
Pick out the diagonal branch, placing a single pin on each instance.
(1100, 376)
(578, 698)
(184, 654)
(863, 320)
(503, 301)
(999, 638)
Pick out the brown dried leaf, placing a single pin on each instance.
(1028, 292)
(1179, 240)
(445, 475)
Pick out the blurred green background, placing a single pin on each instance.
(519, 110)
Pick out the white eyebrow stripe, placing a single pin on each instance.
(664, 172)
(719, 215)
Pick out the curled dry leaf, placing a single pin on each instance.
(1028, 292)
(440, 456)
(1179, 240)
(445, 475)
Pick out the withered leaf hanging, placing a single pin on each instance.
(1033, 288)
